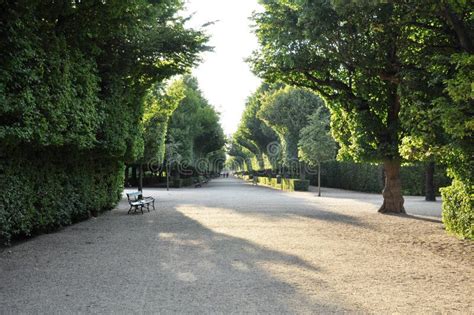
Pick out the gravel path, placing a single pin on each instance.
(230, 247)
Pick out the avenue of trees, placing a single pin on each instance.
(82, 92)
(182, 135)
(195, 134)
(396, 78)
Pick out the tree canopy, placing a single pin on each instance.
(316, 144)
(357, 55)
(287, 111)
(194, 127)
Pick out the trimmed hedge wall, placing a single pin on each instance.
(42, 191)
(286, 183)
(294, 184)
(72, 105)
(369, 178)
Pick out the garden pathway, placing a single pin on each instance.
(231, 247)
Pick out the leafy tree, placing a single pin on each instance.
(437, 102)
(286, 111)
(248, 143)
(376, 63)
(241, 156)
(194, 127)
(347, 52)
(160, 103)
(255, 130)
(316, 144)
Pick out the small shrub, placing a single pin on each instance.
(458, 214)
(300, 185)
(294, 184)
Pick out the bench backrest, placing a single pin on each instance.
(135, 196)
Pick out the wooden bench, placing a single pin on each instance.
(138, 202)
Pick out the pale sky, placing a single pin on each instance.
(224, 77)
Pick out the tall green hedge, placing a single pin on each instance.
(41, 190)
(73, 79)
(369, 177)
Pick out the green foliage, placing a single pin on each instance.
(160, 104)
(369, 177)
(316, 144)
(352, 176)
(188, 181)
(176, 183)
(392, 72)
(252, 132)
(288, 184)
(274, 183)
(437, 102)
(458, 214)
(347, 54)
(42, 191)
(294, 184)
(74, 79)
(287, 111)
(195, 131)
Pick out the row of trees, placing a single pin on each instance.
(396, 77)
(182, 134)
(195, 135)
(284, 129)
(75, 80)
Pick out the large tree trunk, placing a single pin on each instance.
(429, 182)
(392, 192)
(302, 170)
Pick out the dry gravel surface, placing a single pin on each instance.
(230, 247)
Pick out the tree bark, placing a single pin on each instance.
(429, 182)
(140, 180)
(134, 173)
(167, 176)
(319, 179)
(302, 170)
(126, 179)
(392, 192)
